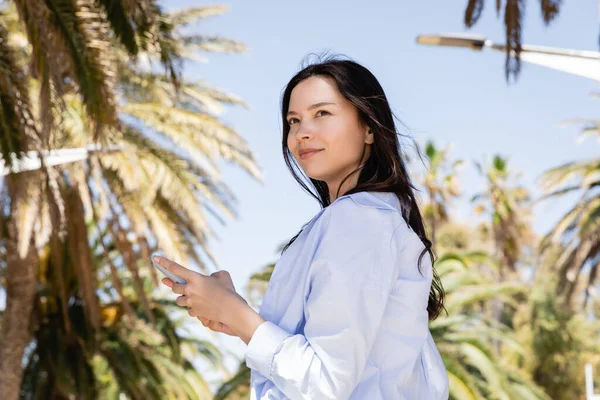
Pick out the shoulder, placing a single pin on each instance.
(360, 211)
(371, 221)
(355, 236)
(361, 220)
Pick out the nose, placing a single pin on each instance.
(304, 131)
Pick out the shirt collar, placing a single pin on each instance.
(383, 200)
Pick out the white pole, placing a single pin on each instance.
(584, 63)
(589, 384)
(31, 159)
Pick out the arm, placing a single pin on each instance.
(350, 280)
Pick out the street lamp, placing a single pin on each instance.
(31, 159)
(584, 63)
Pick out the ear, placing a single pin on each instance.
(369, 139)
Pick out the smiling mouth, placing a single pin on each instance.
(309, 154)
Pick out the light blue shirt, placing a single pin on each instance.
(346, 311)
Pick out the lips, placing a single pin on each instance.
(309, 154)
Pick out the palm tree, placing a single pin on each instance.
(579, 229)
(508, 204)
(441, 184)
(18, 132)
(461, 237)
(514, 10)
(69, 53)
(149, 197)
(465, 336)
(127, 356)
(558, 341)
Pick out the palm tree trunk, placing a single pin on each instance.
(20, 295)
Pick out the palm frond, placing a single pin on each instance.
(550, 9)
(123, 24)
(237, 386)
(514, 11)
(17, 124)
(69, 40)
(563, 174)
(183, 17)
(214, 44)
(473, 12)
(201, 135)
(467, 296)
(82, 263)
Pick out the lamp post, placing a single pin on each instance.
(584, 63)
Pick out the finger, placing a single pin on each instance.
(212, 325)
(175, 268)
(182, 301)
(225, 275)
(178, 288)
(167, 282)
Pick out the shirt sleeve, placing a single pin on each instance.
(350, 279)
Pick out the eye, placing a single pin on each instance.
(320, 113)
(292, 121)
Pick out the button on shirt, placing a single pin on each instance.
(346, 311)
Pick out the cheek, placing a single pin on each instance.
(340, 155)
(290, 142)
(344, 141)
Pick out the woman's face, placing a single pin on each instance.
(321, 118)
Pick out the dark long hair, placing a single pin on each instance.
(385, 170)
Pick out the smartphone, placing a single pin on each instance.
(168, 274)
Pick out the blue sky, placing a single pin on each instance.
(448, 95)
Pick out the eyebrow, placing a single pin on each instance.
(314, 106)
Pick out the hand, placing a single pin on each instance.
(206, 296)
(214, 326)
(213, 300)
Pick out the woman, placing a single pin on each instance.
(346, 312)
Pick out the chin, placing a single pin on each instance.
(317, 176)
(311, 174)
(313, 171)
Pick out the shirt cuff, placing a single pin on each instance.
(265, 341)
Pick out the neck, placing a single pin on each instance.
(351, 181)
(348, 184)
